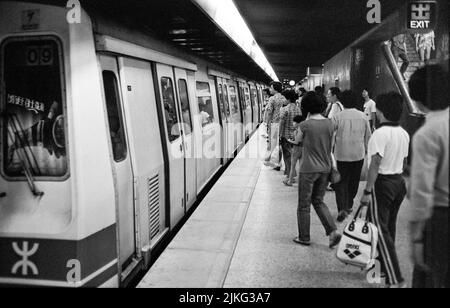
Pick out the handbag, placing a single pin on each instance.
(335, 175)
(358, 246)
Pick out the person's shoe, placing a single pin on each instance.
(277, 168)
(402, 285)
(300, 242)
(287, 183)
(342, 216)
(267, 163)
(335, 239)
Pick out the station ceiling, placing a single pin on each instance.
(296, 34)
(293, 34)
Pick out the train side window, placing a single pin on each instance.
(234, 102)
(205, 105)
(221, 102)
(170, 110)
(226, 102)
(113, 109)
(185, 109)
(34, 123)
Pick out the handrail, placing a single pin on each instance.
(413, 110)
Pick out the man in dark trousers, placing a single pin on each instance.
(386, 188)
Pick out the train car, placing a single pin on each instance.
(108, 136)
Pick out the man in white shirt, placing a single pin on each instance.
(386, 188)
(370, 109)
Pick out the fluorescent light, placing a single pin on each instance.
(226, 15)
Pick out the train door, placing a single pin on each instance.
(121, 159)
(255, 106)
(235, 116)
(248, 111)
(185, 96)
(223, 106)
(176, 151)
(229, 127)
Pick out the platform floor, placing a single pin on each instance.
(241, 237)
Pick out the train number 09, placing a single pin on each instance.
(39, 56)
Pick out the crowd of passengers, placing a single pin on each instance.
(348, 139)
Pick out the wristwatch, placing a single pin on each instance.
(367, 193)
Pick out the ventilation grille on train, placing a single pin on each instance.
(153, 206)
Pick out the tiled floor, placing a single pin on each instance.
(241, 237)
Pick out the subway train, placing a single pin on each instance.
(105, 135)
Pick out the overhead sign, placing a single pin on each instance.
(422, 15)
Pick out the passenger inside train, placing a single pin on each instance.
(184, 144)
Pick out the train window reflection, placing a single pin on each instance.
(170, 110)
(186, 111)
(33, 130)
(116, 127)
(226, 101)
(222, 105)
(234, 105)
(205, 103)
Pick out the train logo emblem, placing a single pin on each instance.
(25, 263)
(421, 15)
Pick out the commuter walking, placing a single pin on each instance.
(352, 138)
(296, 150)
(429, 180)
(386, 188)
(370, 109)
(400, 51)
(316, 134)
(287, 129)
(274, 106)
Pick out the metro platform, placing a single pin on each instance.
(241, 236)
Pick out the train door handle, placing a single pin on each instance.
(181, 148)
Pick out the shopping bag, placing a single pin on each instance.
(358, 246)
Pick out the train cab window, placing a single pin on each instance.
(185, 108)
(113, 109)
(205, 104)
(170, 110)
(34, 126)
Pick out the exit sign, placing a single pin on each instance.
(422, 15)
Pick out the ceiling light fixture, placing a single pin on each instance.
(227, 17)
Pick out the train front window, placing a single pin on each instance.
(33, 125)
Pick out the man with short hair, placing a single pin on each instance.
(335, 106)
(429, 180)
(352, 138)
(386, 187)
(370, 109)
(274, 106)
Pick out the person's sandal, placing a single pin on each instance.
(298, 241)
(335, 240)
(287, 183)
